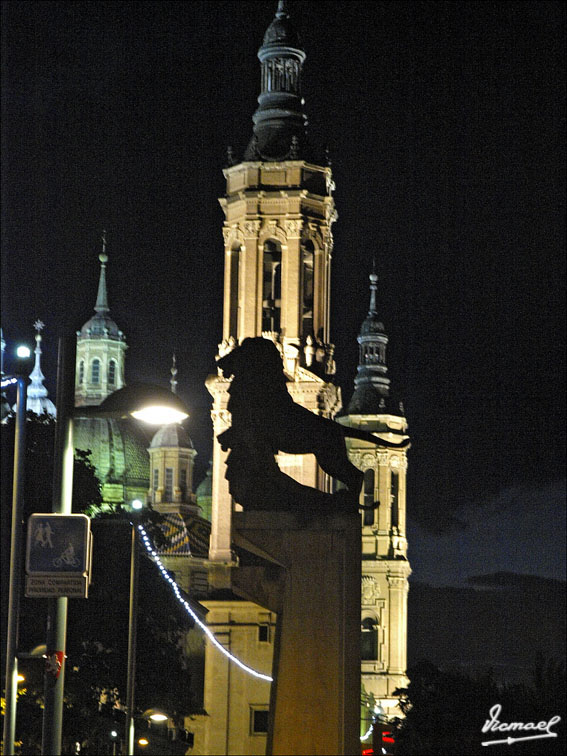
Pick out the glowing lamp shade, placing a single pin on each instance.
(158, 717)
(137, 504)
(143, 401)
(23, 351)
(143, 742)
(159, 415)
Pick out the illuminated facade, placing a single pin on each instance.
(279, 210)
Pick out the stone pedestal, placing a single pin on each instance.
(309, 573)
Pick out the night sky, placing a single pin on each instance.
(445, 122)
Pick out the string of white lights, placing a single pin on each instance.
(8, 382)
(175, 588)
(368, 733)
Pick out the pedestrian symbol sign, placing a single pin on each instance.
(58, 555)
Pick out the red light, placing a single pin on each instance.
(387, 737)
(368, 752)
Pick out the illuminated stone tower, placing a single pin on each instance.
(101, 349)
(118, 447)
(278, 211)
(385, 568)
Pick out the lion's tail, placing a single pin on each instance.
(371, 438)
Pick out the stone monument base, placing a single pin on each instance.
(308, 572)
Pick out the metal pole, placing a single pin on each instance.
(132, 632)
(62, 498)
(15, 570)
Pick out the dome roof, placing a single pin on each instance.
(368, 400)
(101, 325)
(118, 450)
(371, 325)
(205, 487)
(173, 435)
(281, 31)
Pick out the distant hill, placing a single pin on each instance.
(500, 622)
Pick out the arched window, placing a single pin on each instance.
(234, 263)
(112, 372)
(307, 268)
(368, 516)
(272, 285)
(81, 371)
(95, 371)
(369, 639)
(394, 494)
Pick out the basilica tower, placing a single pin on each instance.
(278, 211)
(101, 349)
(385, 568)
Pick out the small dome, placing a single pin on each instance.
(371, 326)
(368, 400)
(282, 32)
(100, 325)
(205, 487)
(173, 435)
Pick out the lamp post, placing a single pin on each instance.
(132, 636)
(15, 564)
(146, 402)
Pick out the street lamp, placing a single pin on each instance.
(15, 563)
(143, 401)
(154, 405)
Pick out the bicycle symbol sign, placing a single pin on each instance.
(57, 544)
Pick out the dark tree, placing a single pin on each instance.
(445, 711)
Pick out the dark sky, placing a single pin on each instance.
(445, 122)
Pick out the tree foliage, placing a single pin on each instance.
(445, 711)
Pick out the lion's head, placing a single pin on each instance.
(254, 355)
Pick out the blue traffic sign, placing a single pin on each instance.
(57, 544)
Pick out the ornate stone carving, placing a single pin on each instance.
(368, 460)
(369, 590)
(354, 457)
(396, 582)
(293, 227)
(250, 228)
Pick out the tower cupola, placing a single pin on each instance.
(371, 385)
(279, 121)
(101, 348)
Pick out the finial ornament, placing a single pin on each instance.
(101, 305)
(173, 371)
(230, 159)
(373, 288)
(39, 325)
(103, 257)
(294, 149)
(282, 9)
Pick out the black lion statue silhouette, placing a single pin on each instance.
(266, 420)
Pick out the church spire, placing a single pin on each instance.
(279, 121)
(101, 305)
(371, 385)
(37, 393)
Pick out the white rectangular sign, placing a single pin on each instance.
(56, 586)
